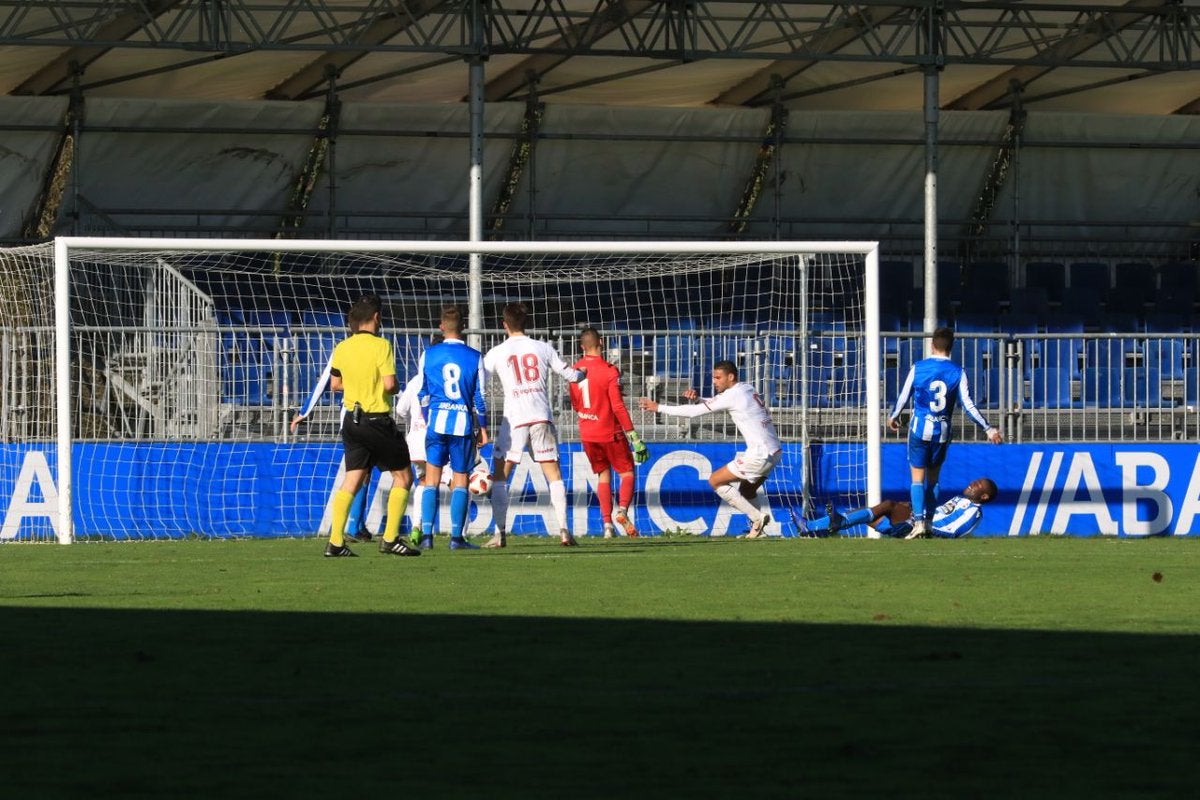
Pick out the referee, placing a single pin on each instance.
(363, 369)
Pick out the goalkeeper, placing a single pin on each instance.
(606, 430)
(957, 517)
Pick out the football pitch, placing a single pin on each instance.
(666, 667)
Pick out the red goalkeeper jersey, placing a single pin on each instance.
(598, 403)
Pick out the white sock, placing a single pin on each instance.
(730, 494)
(500, 505)
(558, 499)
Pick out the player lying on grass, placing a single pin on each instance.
(957, 517)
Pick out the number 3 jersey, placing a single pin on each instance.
(452, 380)
(936, 385)
(523, 365)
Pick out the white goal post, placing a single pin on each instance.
(801, 320)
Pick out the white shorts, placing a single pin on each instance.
(416, 444)
(541, 438)
(754, 466)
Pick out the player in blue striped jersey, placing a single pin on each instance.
(956, 517)
(936, 385)
(452, 381)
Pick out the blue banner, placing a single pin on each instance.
(162, 489)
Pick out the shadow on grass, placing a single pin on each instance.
(232, 704)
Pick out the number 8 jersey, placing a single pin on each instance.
(936, 385)
(523, 365)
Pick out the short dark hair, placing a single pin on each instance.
(728, 367)
(943, 339)
(516, 315)
(363, 310)
(589, 332)
(452, 319)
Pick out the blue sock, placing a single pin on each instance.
(931, 497)
(859, 517)
(354, 522)
(429, 499)
(458, 511)
(917, 494)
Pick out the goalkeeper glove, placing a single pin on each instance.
(640, 451)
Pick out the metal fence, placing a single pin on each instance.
(244, 382)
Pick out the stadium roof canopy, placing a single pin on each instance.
(1136, 57)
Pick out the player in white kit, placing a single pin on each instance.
(738, 481)
(524, 365)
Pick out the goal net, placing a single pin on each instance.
(150, 384)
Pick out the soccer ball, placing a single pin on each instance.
(480, 483)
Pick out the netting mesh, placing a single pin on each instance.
(186, 368)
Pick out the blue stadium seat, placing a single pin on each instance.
(1091, 274)
(1121, 322)
(1133, 275)
(984, 385)
(1087, 303)
(1101, 387)
(676, 353)
(819, 386)
(1062, 353)
(1167, 355)
(1064, 322)
(949, 278)
(1115, 353)
(895, 282)
(1177, 275)
(1049, 275)
(1191, 387)
(1031, 301)
(1051, 387)
(976, 322)
(1143, 387)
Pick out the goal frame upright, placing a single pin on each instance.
(64, 246)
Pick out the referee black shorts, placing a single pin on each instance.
(374, 442)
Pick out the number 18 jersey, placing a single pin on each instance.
(523, 365)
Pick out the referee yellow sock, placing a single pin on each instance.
(397, 505)
(341, 512)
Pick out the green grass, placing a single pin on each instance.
(675, 667)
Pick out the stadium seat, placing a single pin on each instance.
(1087, 303)
(1177, 275)
(984, 385)
(1121, 322)
(1101, 387)
(1143, 387)
(896, 280)
(676, 352)
(1031, 301)
(1133, 275)
(1065, 353)
(1167, 322)
(1052, 388)
(1049, 275)
(969, 322)
(1191, 387)
(1166, 354)
(1114, 353)
(1174, 299)
(1064, 322)
(949, 284)
(1090, 274)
